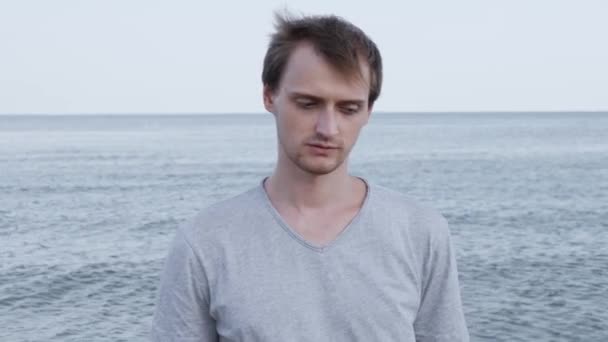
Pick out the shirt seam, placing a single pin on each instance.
(298, 238)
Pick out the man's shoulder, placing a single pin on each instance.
(421, 217)
(224, 216)
(399, 201)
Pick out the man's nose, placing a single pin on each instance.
(327, 123)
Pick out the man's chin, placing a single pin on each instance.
(318, 168)
(319, 172)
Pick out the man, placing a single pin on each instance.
(312, 253)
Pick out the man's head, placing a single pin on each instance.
(321, 78)
(339, 42)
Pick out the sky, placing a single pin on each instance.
(146, 56)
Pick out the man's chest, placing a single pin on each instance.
(370, 295)
(320, 228)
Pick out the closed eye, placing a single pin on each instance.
(306, 104)
(350, 110)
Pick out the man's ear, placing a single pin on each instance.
(268, 97)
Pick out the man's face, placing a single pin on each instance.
(316, 105)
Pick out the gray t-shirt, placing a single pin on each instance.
(238, 272)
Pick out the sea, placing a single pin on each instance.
(89, 203)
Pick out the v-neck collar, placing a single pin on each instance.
(299, 238)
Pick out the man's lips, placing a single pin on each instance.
(327, 147)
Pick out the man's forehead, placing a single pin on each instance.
(308, 72)
(306, 58)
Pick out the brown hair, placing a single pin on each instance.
(341, 43)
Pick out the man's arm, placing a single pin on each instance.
(440, 316)
(182, 308)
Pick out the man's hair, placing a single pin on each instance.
(340, 43)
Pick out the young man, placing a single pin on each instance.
(312, 253)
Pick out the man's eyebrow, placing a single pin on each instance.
(316, 98)
(352, 102)
(304, 95)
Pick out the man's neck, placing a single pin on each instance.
(309, 192)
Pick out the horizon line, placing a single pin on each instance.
(265, 113)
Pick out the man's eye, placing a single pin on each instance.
(306, 105)
(350, 110)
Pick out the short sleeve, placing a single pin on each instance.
(440, 315)
(182, 307)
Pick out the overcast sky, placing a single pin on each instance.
(145, 56)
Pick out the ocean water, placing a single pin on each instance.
(88, 205)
